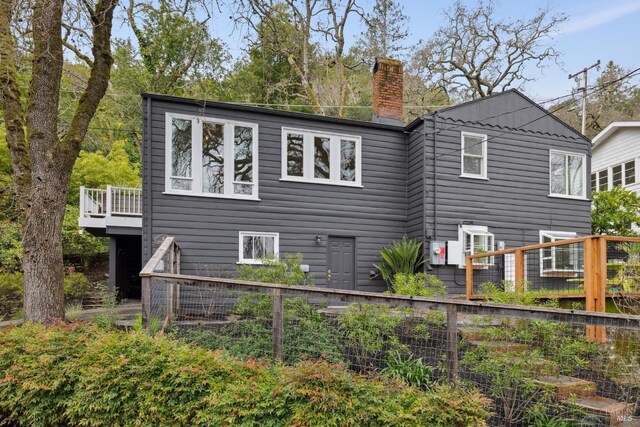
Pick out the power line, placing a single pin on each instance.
(545, 114)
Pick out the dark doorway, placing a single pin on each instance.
(125, 266)
(341, 261)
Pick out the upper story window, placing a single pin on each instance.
(474, 155)
(321, 157)
(254, 247)
(622, 174)
(567, 174)
(211, 157)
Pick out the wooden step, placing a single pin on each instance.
(566, 387)
(501, 346)
(612, 412)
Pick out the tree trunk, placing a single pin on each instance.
(43, 162)
(42, 244)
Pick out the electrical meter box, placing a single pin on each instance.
(438, 251)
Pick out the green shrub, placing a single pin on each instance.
(407, 368)
(285, 271)
(419, 285)
(307, 333)
(82, 375)
(10, 246)
(76, 287)
(493, 293)
(10, 295)
(80, 246)
(369, 329)
(405, 256)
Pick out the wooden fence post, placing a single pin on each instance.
(595, 283)
(278, 325)
(600, 291)
(469, 272)
(146, 299)
(452, 342)
(519, 273)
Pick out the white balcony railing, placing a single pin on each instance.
(116, 206)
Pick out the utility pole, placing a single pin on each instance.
(585, 82)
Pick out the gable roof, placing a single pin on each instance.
(512, 110)
(610, 130)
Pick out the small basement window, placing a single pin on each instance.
(560, 261)
(475, 239)
(255, 246)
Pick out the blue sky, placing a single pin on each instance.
(597, 29)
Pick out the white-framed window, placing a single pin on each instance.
(321, 157)
(567, 174)
(559, 261)
(475, 239)
(255, 246)
(622, 174)
(211, 157)
(473, 155)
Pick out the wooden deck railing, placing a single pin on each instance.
(112, 201)
(585, 271)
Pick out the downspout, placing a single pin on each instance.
(426, 266)
(146, 164)
(435, 179)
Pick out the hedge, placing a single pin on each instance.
(79, 374)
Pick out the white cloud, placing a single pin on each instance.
(599, 17)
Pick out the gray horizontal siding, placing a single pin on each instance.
(207, 228)
(410, 181)
(514, 202)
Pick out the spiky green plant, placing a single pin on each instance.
(405, 256)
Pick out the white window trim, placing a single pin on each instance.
(242, 234)
(609, 170)
(474, 230)
(484, 156)
(196, 158)
(586, 179)
(555, 236)
(307, 160)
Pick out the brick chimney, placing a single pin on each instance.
(387, 92)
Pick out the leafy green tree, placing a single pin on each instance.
(97, 171)
(78, 245)
(615, 211)
(386, 31)
(265, 75)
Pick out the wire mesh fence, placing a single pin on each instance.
(592, 266)
(535, 363)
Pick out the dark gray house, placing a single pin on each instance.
(235, 183)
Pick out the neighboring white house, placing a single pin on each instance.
(614, 159)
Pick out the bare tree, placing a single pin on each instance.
(316, 23)
(43, 153)
(475, 54)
